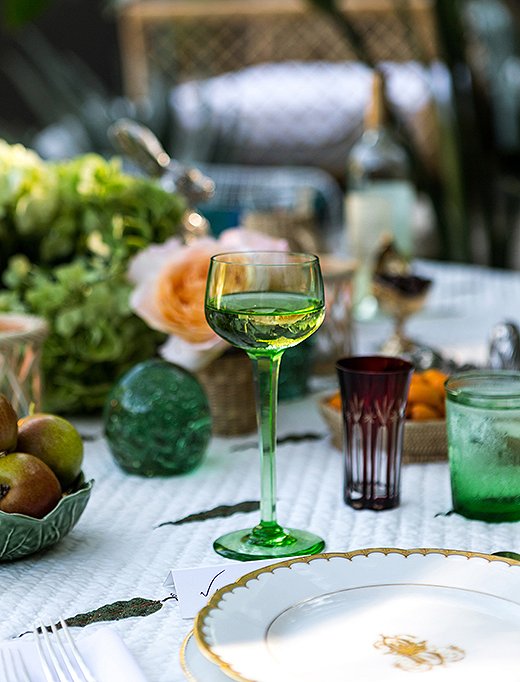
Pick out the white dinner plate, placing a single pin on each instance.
(196, 666)
(372, 615)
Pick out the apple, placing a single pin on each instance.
(27, 485)
(55, 441)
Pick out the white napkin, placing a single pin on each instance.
(104, 652)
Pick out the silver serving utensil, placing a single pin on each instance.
(504, 346)
(426, 357)
(141, 145)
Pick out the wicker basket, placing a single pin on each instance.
(423, 441)
(228, 382)
(21, 341)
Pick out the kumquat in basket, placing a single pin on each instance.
(426, 395)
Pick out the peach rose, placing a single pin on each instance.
(170, 281)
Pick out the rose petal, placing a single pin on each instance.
(180, 293)
(143, 301)
(192, 356)
(148, 262)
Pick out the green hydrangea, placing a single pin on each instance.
(67, 231)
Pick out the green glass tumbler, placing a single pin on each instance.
(483, 427)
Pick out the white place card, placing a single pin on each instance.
(194, 586)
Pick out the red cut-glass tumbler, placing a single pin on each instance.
(374, 393)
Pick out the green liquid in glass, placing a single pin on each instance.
(264, 323)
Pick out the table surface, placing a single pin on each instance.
(119, 551)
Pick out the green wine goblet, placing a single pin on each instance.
(264, 303)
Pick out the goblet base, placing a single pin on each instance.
(238, 545)
(399, 344)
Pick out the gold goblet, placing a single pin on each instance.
(400, 296)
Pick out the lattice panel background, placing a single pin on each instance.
(212, 42)
(180, 41)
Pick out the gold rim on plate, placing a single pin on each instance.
(182, 656)
(205, 647)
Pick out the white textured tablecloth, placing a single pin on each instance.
(116, 552)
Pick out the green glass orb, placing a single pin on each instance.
(157, 420)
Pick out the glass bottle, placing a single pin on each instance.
(379, 198)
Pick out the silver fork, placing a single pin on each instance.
(60, 663)
(12, 666)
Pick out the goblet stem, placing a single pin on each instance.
(399, 327)
(266, 371)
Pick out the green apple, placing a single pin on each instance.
(8, 425)
(55, 441)
(27, 485)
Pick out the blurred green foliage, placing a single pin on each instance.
(16, 13)
(67, 231)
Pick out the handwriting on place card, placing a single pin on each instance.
(194, 586)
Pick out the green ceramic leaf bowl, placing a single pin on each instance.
(22, 535)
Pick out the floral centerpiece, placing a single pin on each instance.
(67, 232)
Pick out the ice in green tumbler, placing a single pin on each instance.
(483, 424)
